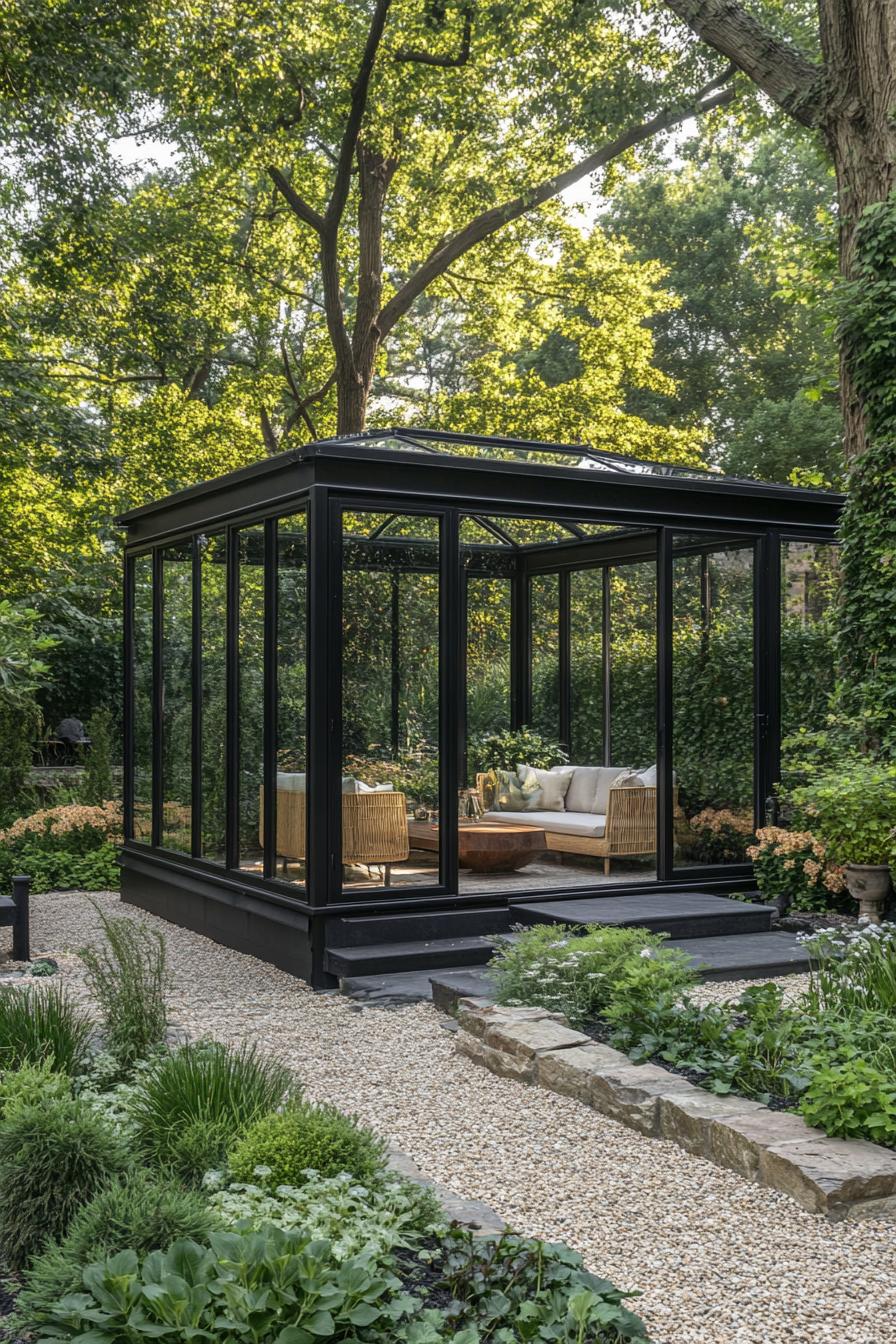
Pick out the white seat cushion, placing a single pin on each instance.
(290, 782)
(586, 824)
(589, 789)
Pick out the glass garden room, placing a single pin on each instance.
(326, 652)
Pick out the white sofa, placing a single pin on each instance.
(608, 812)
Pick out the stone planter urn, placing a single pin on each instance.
(869, 884)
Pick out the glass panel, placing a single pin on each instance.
(632, 729)
(488, 660)
(177, 703)
(712, 700)
(544, 607)
(251, 695)
(292, 610)
(143, 698)
(810, 581)
(213, 578)
(390, 701)
(586, 667)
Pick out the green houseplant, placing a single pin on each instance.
(853, 810)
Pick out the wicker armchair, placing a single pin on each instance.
(374, 827)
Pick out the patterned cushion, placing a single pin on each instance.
(511, 795)
(552, 785)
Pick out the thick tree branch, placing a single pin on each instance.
(490, 221)
(444, 62)
(358, 107)
(306, 213)
(778, 67)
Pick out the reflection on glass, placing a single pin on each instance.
(810, 579)
(390, 700)
(213, 577)
(292, 608)
(545, 657)
(586, 699)
(488, 656)
(712, 700)
(251, 694)
(177, 703)
(142, 727)
(632, 728)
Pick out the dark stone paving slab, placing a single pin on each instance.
(751, 956)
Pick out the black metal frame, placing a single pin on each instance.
(646, 509)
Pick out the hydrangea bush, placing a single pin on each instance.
(793, 868)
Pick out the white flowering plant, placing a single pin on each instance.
(575, 970)
(852, 969)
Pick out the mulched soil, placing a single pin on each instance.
(804, 922)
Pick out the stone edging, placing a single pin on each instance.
(837, 1178)
(481, 1220)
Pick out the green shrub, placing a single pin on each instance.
(129, 979)
(573, 970)
(66, 847)
(139, 1212)
(97, 785)
(852, 809)
(851, 1100)
(353, 1217)
(39, 1024)
(265, 1286)
(518, 746)
(54, 1157)
(191, 1105)
(304, 1137)
(30, 1085)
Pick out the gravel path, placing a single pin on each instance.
(719, 1261)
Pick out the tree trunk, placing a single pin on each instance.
(352, 391)
(858, 39)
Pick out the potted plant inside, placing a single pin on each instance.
(504, 751)
(853, 810)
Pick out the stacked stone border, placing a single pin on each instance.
(837, 1178)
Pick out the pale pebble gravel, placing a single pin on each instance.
(719, 1261)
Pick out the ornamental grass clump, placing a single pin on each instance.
(128, 976)
(54, 1157)
(190, 1106)
(280, 1148)
(42, 1024)
(574, 970)
(793, 869)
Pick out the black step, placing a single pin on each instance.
(754, 956)
(362, 930)
(681, 914)
(383, 958)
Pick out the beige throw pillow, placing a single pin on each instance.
(552, 786)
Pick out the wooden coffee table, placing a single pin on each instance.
(489, 847)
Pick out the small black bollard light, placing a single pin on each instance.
(21, 936)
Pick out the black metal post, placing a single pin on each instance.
(158, 694)
(21, 929)
(127, 764)
(665, 837)
(395, 662)
(196, 703)
(564, 659)
(232, 697)
(766, 670)
(606, 664)
(520, 648)
(269, 729)
(451, 689)
(324, 718)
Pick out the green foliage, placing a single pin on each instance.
(30, 1085)
(190, 1105)
(852, 1100)
(23, 672)
(97, 786)
(60, 870)
(867, 615)
(576, 970)
(279, 1148)
(42, 1024)
(271, 1286)
(852, 809)
(351, 1216)
(128, 977)
(54, 1157)
(138, 1212)
(507, 750)
(65, 847)
(518, 1288)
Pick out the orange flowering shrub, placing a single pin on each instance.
(104, 820)
(793, 867)
(720, 835)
